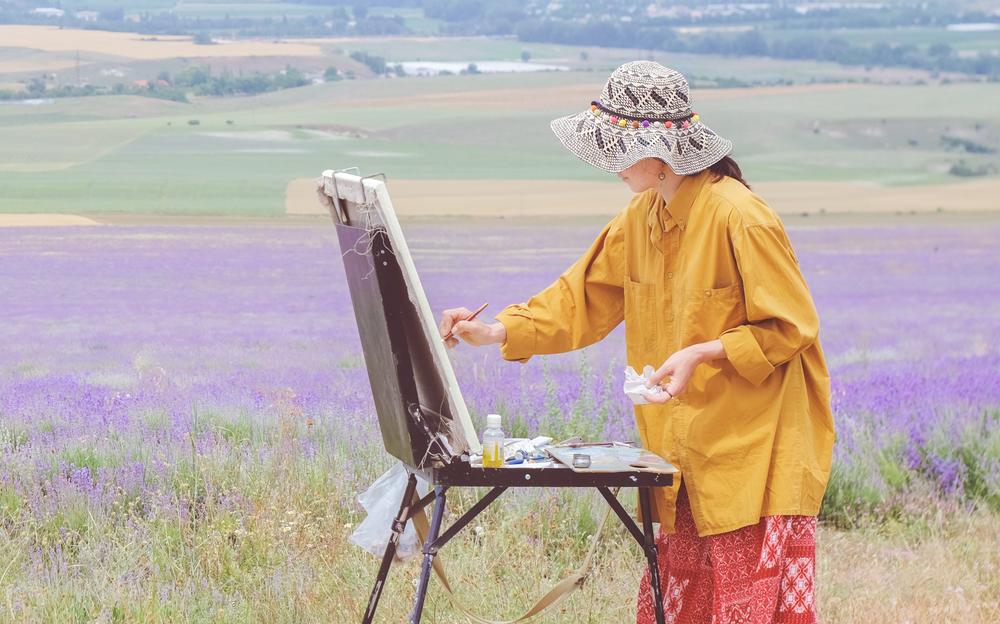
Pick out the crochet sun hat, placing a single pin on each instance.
(644, 112)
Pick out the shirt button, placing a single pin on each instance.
(680, 223)
(708, 293)
(670, 276)
(677, 401)
(671, 317)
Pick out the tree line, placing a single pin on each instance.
(336, 23)
(195, 79)
(936, 57)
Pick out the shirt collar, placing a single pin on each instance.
(679, 207)
(662, 218)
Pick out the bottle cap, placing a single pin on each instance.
(493, 421)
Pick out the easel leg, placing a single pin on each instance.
(425, 571)
(651, 554)
(390, 550)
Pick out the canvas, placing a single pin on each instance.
(421, 412)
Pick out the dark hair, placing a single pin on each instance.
(727, 167)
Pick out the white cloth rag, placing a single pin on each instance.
(635, 385)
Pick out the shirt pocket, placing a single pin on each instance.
(640, 316)
(707, 312)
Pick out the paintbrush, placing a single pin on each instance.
(451, 334)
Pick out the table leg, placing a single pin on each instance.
(425, 570)
(651, 554)
(390, 550)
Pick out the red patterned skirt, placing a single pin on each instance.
(760, 574)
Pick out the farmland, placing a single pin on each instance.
(243, 152)
(236, 156)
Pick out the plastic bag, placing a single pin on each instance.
(382, 501)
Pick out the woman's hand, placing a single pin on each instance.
(679, 368)
(474, 332)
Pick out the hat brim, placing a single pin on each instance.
(614, 148)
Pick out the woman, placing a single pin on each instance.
(702, 273)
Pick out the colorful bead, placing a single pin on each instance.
(635, 124)
(645, 123)
(597, 113)
(668, 124)
(622, 123)
(593, 107)
(686, 124)
(614, 120)
(695, 117)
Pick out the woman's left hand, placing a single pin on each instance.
(679, 368)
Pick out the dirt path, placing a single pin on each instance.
(516, 198)
(37, 220)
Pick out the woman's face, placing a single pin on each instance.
(644, 174)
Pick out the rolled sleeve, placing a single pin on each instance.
(520, 326)
(745, 354)
(782, 320)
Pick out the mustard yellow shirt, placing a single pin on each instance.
(753, 435)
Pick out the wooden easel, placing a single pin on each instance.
(422, 416)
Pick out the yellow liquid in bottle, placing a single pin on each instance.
(492, 457)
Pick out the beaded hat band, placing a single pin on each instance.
(644, 112)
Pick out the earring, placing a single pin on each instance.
(663, 176)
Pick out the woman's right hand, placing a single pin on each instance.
(474, 332)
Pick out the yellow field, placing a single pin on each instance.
(515, 198)
(135, 46)
(43, 65)
(37, 220)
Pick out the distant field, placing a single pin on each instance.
(132, 154)
(158, 162)
(252, 10)
(134, 46)
(920, 36)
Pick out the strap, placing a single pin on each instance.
(555, 595)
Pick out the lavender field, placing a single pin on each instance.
(185, 416)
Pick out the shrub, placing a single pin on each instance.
(969, 146)
(964, 170)
(376, 63)
(331, 74)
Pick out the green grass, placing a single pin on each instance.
(280, 553)
(132, 154)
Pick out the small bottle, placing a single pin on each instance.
(493, 440)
